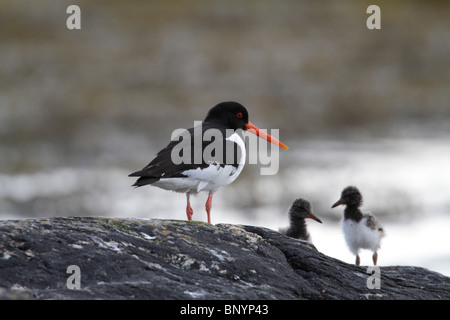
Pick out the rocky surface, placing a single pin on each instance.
(166, 259)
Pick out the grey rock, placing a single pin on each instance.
(166, 259)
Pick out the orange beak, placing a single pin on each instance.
(255, 130)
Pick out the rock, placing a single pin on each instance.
(166, 259)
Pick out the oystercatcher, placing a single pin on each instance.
(206, 163)
(299, 211)
(361, 231)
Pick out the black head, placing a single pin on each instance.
(301, 209)
(350, 196)
(232, 114)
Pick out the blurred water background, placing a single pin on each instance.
(81, 109)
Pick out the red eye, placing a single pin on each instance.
(239, 115)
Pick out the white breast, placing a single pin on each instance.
(207, 179)
(359, 236)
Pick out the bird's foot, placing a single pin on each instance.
(189, 213)
(189, 210)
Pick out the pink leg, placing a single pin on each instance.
(208, 206)
(358, 261)
(189, 211)
(375, 258)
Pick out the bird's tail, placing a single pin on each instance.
(142, 181)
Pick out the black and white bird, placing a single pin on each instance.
(299, 211)
(203, 158)
(361, 231)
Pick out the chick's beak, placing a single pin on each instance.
(311, 216)
(338, 203)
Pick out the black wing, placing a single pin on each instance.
(181, 155)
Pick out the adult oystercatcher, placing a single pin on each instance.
(361, 231)
(206, 163)
(299, 211)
